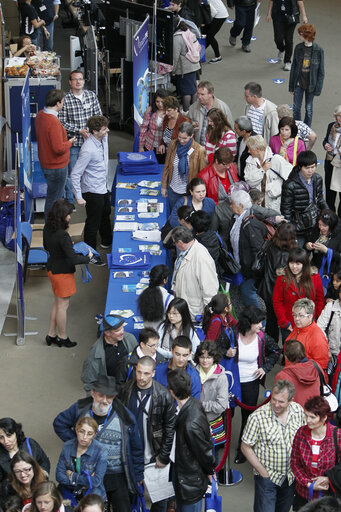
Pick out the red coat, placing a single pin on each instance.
(283, 300)
(305, 378)
(211, 180)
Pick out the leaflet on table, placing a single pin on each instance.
(125, 209)
(129, 186)
(125, 313)
(134, 226)
(123, 273)
(138, 326)
(149, 184)
(137, 288)
(149, 205)
(153, 249)
(148, 215)
(127, 218)
(149, 192)
(147, 236)
(139, 260)
(125, 202)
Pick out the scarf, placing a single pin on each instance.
(284, 147)
(204, 376)
(182, 155)
(137, 407)
(334, 138)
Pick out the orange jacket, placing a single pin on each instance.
(314, 341)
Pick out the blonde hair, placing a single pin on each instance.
(256, 142)
(87, 420)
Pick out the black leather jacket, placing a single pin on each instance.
(275, 258)
(161, 419)
(193, 453)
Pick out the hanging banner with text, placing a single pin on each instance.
(140, 73)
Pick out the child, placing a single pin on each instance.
(218, 318)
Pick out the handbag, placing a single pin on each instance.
(213, 502)
(232, 371)
(205, 11)
(326, 390)
(138, 503)
(226, 260)
(258, 266)
(325, 276)
(295, 16)
(308, 218)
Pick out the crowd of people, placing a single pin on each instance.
(255, 280)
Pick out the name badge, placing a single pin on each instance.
(42, 8)
(190, 151)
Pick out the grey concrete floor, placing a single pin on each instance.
(38, 381)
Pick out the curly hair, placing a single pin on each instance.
(221, 125)
(56, 217)
(211, 348)
(249, 316)
(318, 406)
(10, 426)
(308, 31)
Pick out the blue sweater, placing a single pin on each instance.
(161, 371)
(208, 206)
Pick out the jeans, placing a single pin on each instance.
(244, 19)
(159, 506)
(298, 99)
(173, 197)
(270, 497)
(188, 507)
(98, 211)
(47, 43)
(117, 492)
(55, 179)
(250, 391)
(74, 152)
(211, 30)
(284, 37)
(249, 293)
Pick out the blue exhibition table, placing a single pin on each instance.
(116, 298)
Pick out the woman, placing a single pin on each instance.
(330, 323)
(309, 83)
(154, 300)
(184, 159)
(219, 16)
(184, 70)
(217, 318)
(83, 462)
(61, 269)
(285, 16)
(214, 395)
(276, 256)
(332, 145)
(25, 47)
(313, 451)
(287, 143)
(90, 503)
(46, 498)
(151, 127)
(171, 122)
(219, 175)
(30, 22)
(178, 322)
(327, 236)
(24, 474)
(257, 354)
(13, 439)
(196, 198)
(297, 280)
(219, 133)
(332, 290)
(266, 171)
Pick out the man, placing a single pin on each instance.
(261, 112)
(219, 175)
(301, 371)
(148, 343)
(309, 333)
(117, 431)
(244, 19)
(194, 277)
(89, 179)
(110, 354)
(48, 11)
(303, 189)
(243, 128)
(53, 147)
(304, 131)
(266, 443)
(79, 105)
(153, 408)
(181, 351)
(192, 454)
(199, 109)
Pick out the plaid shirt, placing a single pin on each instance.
(75, 114)
(272, 441)
(301, 457)
(150, 133)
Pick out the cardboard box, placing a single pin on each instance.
(75, 231)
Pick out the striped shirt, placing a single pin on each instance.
(178, 182)
(272, 441)
(256, 117)
(228, 140)
(167, 136)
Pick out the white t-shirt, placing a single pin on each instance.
(247, 360)
(220, 8)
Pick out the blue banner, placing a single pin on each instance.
(140, 73)
(25, 153)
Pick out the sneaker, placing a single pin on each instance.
(246, 49)
(280, 56)
(96, 260)
(74, 208)
(216, 59)
(287, 66)
(105, 246)
(232, 41)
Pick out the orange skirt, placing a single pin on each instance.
(63, 285)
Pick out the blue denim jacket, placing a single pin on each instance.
(94, 460)
(316, 68)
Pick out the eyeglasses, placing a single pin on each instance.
(299, 315)
(86, 434)
(151, 346)
(205, 357)
(24, 471)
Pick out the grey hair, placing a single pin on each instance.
(284, 111)
(256, 142)
(337, 110)
(254, 89)
(284, 385)
(244, 123)
(186, 127)
(183, 234)
(306, 304)
(241, 197)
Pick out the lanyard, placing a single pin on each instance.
(106, 419)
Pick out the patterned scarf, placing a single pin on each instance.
(182, 155)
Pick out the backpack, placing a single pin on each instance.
(193, 46)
